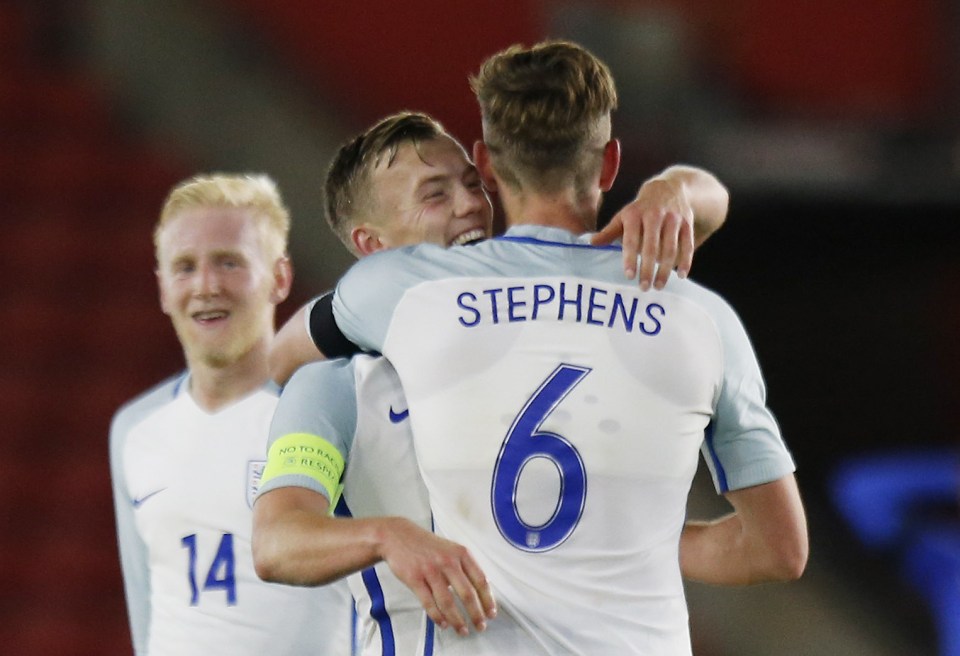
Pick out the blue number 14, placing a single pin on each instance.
(524, 442)
(220, 576)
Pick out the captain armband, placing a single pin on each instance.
(303, 454)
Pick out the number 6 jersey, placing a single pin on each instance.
(558, 414)
(184, 481)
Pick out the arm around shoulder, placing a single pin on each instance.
(673, 213)
(297, 542)
(292, 347)
(763, 540)
(708, 198)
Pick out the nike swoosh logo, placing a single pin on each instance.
(142, 500)
(397, 417)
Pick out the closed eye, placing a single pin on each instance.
(435, 195)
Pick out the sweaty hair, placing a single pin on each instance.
(347, 186)
(258, 193)
(545, 113)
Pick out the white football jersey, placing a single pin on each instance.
(184, 481)
(558, 414)
(359, 408)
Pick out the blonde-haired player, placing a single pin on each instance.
(187, 455)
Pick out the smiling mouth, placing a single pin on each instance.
(469, 237)
(209, 315)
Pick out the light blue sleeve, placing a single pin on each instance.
(366, 296)
(743, 445)
(133, 551)
(134, 556)
(320, 399)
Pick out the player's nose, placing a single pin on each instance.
(207, 280)
(468, 201)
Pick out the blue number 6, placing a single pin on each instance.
(525, 442)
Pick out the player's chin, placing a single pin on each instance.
(216, 352)
(218, 359)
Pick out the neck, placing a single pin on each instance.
(560, 211)
(214, 387)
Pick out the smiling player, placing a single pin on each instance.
(186, 456)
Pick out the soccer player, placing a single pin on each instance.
(187, 455)
(383, 478)
(403, 181)
(557, 412)
(381, 193)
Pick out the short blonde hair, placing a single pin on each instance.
(546, 112)
(256, 192)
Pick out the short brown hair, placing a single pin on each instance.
(346, 188)
(544, 109)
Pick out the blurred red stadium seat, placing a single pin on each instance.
(83, 333)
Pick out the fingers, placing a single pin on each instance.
(425, 595)
(666, 243)
(628, 224)
(610, 233)
(478, 585)
(658, 226)
(669, 248)
(650, 250)
(631, 225)
(454, 591)
(446, 603)
(687, 244)
(650, 234)
(469, 586)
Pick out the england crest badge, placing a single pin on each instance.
(254, 474)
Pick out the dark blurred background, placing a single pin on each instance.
(834, 123)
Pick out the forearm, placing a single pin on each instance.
(299, 546)
(291, 348)
(765, 539)
(719, 553)
(708, 198)
(297, 543)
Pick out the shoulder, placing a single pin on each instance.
(143, 405)
(407, 263)
(328, 386)
(339, 379)
(380, 279)
(379, 262)
(321, 374)
(713, 304)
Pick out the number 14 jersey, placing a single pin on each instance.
(184, 481)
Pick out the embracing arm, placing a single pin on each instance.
(708, 199)
(296, 541)
(292, 347)
(673, 214)
(310, 335)
(763, 540)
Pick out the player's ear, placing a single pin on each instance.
(481, 159)
(366, 239)
(162, 293)
(282, 279)
(611, 164)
